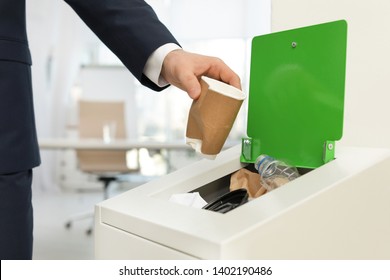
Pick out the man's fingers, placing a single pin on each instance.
(220, 71)
(183, 70)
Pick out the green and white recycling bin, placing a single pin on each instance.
(337, 210)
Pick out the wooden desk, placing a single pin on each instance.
(97, 144)
(72, 144)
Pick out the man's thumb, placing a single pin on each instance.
(193, 87)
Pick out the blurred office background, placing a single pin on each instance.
(71, 64)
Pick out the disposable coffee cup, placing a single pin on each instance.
(212, 115)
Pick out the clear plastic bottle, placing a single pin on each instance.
(274, 173)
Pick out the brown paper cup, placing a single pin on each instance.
(212, 116)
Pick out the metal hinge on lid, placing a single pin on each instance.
(246, 149)
(329, 151)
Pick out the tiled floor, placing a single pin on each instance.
(52, 241)
(54, 208)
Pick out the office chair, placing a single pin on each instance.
(95, 118)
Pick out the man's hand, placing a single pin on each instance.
(183, 70)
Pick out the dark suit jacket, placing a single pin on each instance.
(130, 28)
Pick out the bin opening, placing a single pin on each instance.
(220, 191)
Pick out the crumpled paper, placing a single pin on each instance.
(251, 181)
(188, 199)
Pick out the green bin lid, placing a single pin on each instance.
(296, 94)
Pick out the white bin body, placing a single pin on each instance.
(340, 210)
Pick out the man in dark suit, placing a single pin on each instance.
(131, 29)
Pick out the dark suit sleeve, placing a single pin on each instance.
(129, 28)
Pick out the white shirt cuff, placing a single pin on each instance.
(153, 65)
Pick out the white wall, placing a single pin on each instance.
(367, 98)
(212, 19)
(56, 37)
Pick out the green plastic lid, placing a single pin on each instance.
(296, 95)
